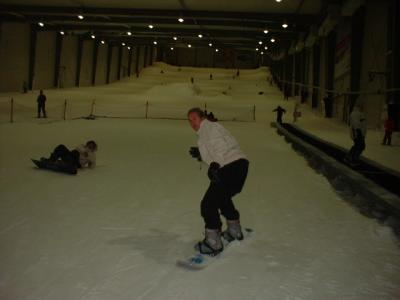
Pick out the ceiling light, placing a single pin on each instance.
(257, 49)
(151, 26)
(210, 44)
(260, 42)
(129, 33)
(129, 48)
(266, 48)
(172, 48)
(278, 0)
(62, 32)
(272, 40)
(41, 24)
(175, 38)
(216, 50)
(155, 42)
(285, 25)
(262, 53)
(103, 42)
(181, 20)
(123, 44)
(93, 36)
(189, 46)
(200, 35)
(80, 17)
(265, 31)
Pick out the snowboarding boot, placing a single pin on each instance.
(234, 231)
(212, 243)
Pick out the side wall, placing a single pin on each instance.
(15, 59)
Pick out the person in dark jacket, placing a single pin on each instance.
(41, 102)
(279, 113)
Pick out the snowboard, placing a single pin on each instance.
(198, 261)
(57, 166)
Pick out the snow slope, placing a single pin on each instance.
(115, 232)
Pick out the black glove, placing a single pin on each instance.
(213, 172)
(195, 153)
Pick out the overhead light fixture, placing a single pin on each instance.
(200, 35)
(265, 31)
(210, 44)
(216, 50)
(181, 20)
(155, 42)
(285, 25)
(81, 17)
(93, 36)
(260, 42)
(123, 44)
(189, 46)
(151, 26)
(257, 49)
(41, 24)
(262, 53)
(129, 48)
(129, 33)
(266, 48)
(172, 48)
(272, 40)
(103, 42)
(175, 38)
(278, 1)
(62, 32)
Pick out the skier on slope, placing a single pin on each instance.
(358, 131)
(279, 113)
(227, 172)
(80, 157)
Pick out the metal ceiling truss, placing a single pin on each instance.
(224, 29)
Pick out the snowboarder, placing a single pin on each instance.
(389, 128)
(80, 157)
(41, 104)
(227, 172)
(358, 131)
(279, 113)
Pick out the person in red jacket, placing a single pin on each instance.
(389, 128)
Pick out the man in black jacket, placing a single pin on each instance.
(41, 101)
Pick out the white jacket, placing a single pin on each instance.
(86, 156)
(357, 121)
(216, 144)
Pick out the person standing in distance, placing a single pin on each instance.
(41, 101)
(358, 132)
(227, 172)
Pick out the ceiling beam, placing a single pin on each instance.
(165, 14)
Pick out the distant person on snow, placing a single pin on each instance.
(80, 157)
(358, 131)
(210, 117)
(279, 113)
(389, 128)
(41, 104)
(227, 172)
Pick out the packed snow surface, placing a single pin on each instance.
(115, 232)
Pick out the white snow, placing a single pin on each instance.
(115, 232)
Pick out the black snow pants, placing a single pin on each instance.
(358, 147)
(218, 198)
(42, 108)
(70, 157)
